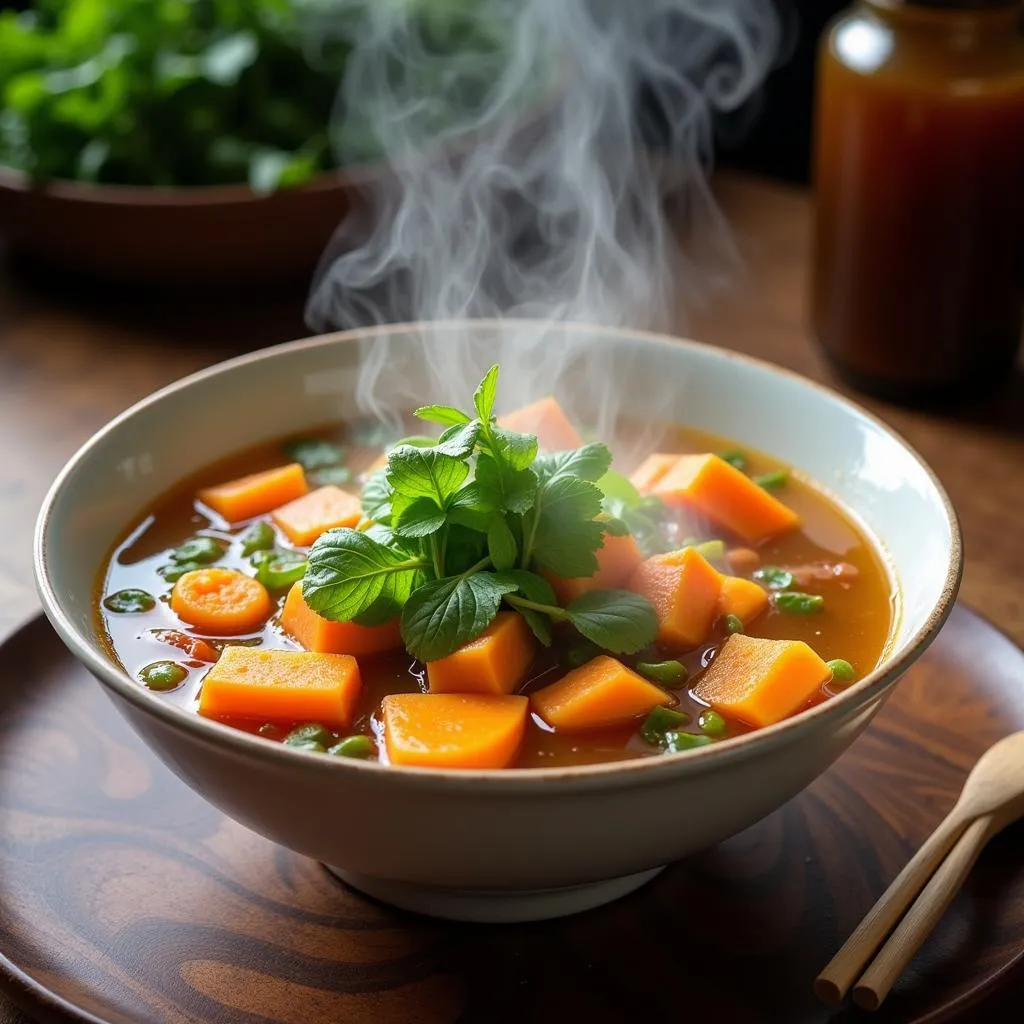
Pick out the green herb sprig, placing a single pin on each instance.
(466, 525)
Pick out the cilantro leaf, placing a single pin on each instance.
(445, 415)
(443, 615)
(314, 453)
(377, 497)
(415, 517)
(348, 572)
(485, 394)
(591, 462)
(564, 533)
(425, 473)
(617, 620)
(501, 544)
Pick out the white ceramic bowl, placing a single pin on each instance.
(498, 845)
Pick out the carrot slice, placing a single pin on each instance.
(285, 686)
(761, 681)
(684, 589)
(453, 730)
(495, 662)
(616, 561)
(193, 646)
(255, 494)
(600, 693)
(316, 633)
(554, 431)
(742, 598)
(326, 508)
(651, 471)
(221, 601)
(722, 492)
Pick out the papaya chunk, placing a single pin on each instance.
(323, 636)
(287, 686)
(255, 494)
(495, 662)
(760, 681)
(684, 588)
(453, 730)
(651, 471)
(545, 419)
(601, 693)
(742, 598)
(722, 493)
(617, 558)
(326, 508)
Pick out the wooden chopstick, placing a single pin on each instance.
(922, 917)
(844, 968)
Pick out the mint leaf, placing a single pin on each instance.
(314, 453)
(501, 487)
(425, 473)
(533, 588)
(564, 534)
(518, 450)
(377, 497)
(501, 545)
(443, 615)
(445, 415)
(469, 508)
(459, 440)
(348, 572)
(485, 394)
(415, 517)
(463, 548)
(591, 462)
(617, 620)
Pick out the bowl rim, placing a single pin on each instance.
(525, 780)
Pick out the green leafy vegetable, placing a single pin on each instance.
(258, 537)
(561, 533)
(445, 415)
(278, 569)
(337, 475)
(679, 741)
(774, 578)
(173, 572)
(129, 602)
(660, 721)
(772, 481)
(712, 723)
(620, 621)
(198, 549)
(425, 473)
(734, 458)
(314, 453)
(353, 746)
(733, 624)
(799, 604)
(664, 673)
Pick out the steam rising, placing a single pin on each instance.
(523, 184)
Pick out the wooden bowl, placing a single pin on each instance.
(213, 235)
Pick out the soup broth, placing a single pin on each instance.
(827, 556)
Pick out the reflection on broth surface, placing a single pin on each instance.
(827, 556)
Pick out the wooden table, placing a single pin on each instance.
(73, 356)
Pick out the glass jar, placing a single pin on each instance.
(918, 276)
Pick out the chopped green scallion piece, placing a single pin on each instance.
(678, 741)
(713, 550)
(203, 550)
(735, 458)
(772, 481)
(799, 604)
(353, 746)
(664, 673)
(258, 537)
(129, 602)
(661, 721)
(774, 577)
(712, 723)
(163, 675)
(309, 736)
(173, 572)
(733, 624)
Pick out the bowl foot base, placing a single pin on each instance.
(495, 906)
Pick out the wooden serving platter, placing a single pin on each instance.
(125, 898)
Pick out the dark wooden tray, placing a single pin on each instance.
(125, 898)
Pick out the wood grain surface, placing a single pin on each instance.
(72, 356)
(129, 897)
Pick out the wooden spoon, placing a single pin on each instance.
(992, 798)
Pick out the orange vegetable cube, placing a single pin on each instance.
(684, 588)
(286, 686)
(316, 633)
(724, 494)
(495, 662)
(761, 681)
(616, 560)
(453, 730)
(742, 598)
(601, 693)
(651, 471)
(546, 420)
(255, 494)
(326, 508)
